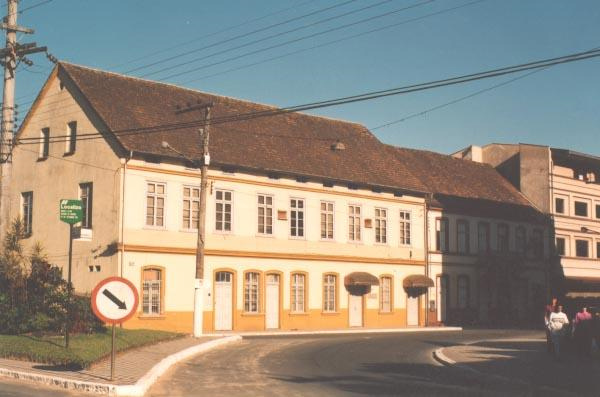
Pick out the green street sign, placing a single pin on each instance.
(71, 211)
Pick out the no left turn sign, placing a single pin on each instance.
(114, 300)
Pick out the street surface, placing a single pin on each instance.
(329, 365)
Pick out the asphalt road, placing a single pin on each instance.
(323, 365)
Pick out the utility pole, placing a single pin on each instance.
(11, 54)
(204, 134)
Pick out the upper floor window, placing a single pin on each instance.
(27, 212)
(441, 234)
(354, 220)
(559, 205)
(297, 218)
(152, 291)
(385, 292)
(582, 248)
(298, 292)
(191, 207)
(329, 292)
(223, 206)
(71, 137)
(502, 230)
(597, 211)
(86, 193)
(581, 208)
(483, 237)
(405, 228)
(462, 236)
(561, 246)
(265, 214)
(44, 143)
(537, 241)
(155, 204)
(251, 292)
(380, 225)
(520, 239)
(326, 220)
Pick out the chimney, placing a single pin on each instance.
(476, 154)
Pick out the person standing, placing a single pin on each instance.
(557, 325)
(583, 331)
(550, 308)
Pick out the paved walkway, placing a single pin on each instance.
(130, 365)
(525, 360)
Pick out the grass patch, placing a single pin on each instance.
(84, 349)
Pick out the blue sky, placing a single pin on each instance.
(557, 107)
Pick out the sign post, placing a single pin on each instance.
(114, 300)
(71, 212)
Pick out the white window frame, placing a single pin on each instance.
(265, 217)
(223, 201)
(467, 236)
(155, 196)
(71, 141)
(44, 150)
(298, 293)
(190, 225)
(27, 212)
(385, 295)
(405, 228)
(153, 293)
(295, 211)
(327, 212)
(381, 222)
(329, 293)
(251, 292)
(354, 223)
(589, 247)
(588, 206)
(87, 205)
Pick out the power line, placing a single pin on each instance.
(241, 36)
(338, 101)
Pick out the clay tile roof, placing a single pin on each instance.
(292, 143)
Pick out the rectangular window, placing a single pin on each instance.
(297, 218)
(155, 204)
(265, 214)
(71, 137)
(463, 236)
(354, 221)
(597, 211)
(27, 212)
(503, 237)
(151, 292)
(537, 241)
(223, 206)
(191, 207)
(326, 220)
(581, 208)
(86, 193)
(560, 246)
(44, 143)
(298, 291)
(441, 234)
(251, 291)
(483, 237)
(520, 239)
(598, 249)
(582, 249)
(559, 205)
(405, 228)
(380, 225)
(329, 286)
(463, 291)
(385, 292)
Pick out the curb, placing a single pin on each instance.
(137, 389)
(342, 331)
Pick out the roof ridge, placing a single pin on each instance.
(212, 94)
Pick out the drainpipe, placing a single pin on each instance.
(122, 226)
(426, 233)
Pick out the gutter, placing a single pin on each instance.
(122, 226)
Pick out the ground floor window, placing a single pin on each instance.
(251, 292)
(329, 293)
(463, 291)
(151, 291)
(385, 292)
(297, 292)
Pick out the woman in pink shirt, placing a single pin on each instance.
(583, 331)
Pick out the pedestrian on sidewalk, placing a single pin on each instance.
(550, 308)
(557, 325)
(582, 332)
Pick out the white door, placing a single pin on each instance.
(272, 301)
(355, 311)
(223, 301)
(442, 298)
(412, 311)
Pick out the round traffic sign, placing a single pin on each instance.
(114, 300)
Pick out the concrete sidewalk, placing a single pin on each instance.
(524, 360)
(135, 369)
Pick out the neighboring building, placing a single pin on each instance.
(565, 185)
(312, 223)
(486, 243)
